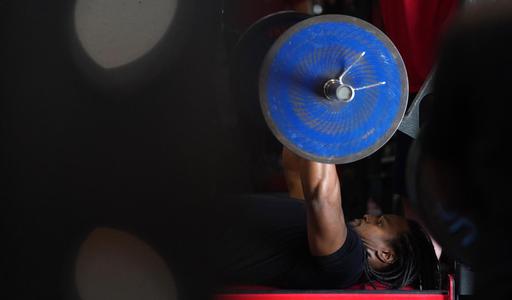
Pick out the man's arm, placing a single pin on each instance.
(291, 172)
(327, 230)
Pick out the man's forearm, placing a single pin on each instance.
(291, 173)
(326, 224)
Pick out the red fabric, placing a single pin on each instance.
(362, 286)
(415, 27)
(376, 286)
(300, 295)
(251, 288)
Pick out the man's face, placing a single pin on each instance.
(377, 231)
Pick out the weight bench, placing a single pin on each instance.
(265, 293)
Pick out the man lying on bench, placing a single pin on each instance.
(283, 242)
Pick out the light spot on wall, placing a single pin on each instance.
(116, 265)
(117, 32)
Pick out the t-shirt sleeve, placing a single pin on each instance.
(346, 264)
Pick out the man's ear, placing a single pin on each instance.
(380, 259)
(385, 256)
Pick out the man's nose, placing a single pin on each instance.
(369, 218)
(366, 218)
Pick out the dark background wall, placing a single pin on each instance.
(138, 147)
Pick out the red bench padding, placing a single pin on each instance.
(267, 293)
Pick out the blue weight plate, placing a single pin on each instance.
(320, 49)
(247, 59)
